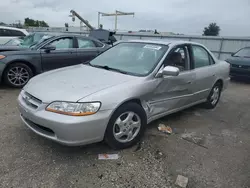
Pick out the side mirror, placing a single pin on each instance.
(170, 71)
(232, 54)
(49, 48)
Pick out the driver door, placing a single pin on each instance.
(173, 93)
(64, 55)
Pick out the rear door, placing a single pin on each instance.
(204, 67)
(64, 54)
(86, 50)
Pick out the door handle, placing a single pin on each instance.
(189, 82)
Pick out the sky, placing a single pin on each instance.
(178, 16)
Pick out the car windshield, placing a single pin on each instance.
(245, 52)
(131, 57)
(29, 41)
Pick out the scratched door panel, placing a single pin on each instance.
(172, 93)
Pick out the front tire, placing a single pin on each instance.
(214, 96)
(126, 126)
(17, 75)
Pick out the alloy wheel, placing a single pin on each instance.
(215, 95)
(126, 127)
(18, 76)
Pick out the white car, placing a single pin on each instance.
(8, 33)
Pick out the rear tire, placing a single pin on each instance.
(126, 126)
(214, 96)
(17, 75)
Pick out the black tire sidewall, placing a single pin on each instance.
(209, 104)
(6, 80)
(109, 136)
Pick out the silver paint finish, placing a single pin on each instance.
(159, 95)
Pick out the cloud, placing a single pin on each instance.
(180, 16)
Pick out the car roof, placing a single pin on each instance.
(12, 28)
(165, 42)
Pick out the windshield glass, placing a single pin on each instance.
(133, 58)
(28, 41)
(245, 52)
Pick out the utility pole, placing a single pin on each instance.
(117, 13)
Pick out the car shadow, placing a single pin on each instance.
(240, 80)
(5, 87)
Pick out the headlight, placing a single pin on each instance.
(2, 56)
(74, 109)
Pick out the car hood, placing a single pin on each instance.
(12, 48)
(73, 83)
(239, 60)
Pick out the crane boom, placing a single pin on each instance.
(74, 13)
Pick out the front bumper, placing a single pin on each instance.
(67, 130)
(240, 72)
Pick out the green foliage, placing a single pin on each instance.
(212, 30)
(35, 23)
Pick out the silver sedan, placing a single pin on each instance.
(122, 90)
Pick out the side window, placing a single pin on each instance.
(85, 43)
(201, 57)
(16, 33)
(178, 57)
(62, 43)
(5, 33)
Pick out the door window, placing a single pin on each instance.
(85, 43)
(178, 57)
(201, 57)
(62, 43)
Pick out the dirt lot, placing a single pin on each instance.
(215, 151)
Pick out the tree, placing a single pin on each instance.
(212, 30)
(35, 23)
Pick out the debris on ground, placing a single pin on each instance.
(158, 154)
(165, 129)
(197, 114)
(181, 181)
(107, 156)
(190, 137)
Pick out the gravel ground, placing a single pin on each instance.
(210, 147)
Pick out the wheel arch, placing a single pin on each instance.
(32, 67)
(130, 100)
(220, 81)
(24, 62)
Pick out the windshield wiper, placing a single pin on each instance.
(109, 68)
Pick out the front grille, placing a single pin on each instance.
(30, 100)
(241, 66)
